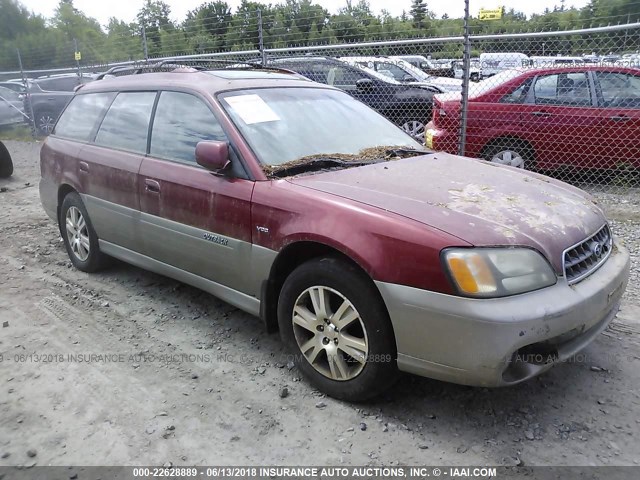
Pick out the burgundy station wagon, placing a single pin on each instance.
(295, 202)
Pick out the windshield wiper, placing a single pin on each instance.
(309, 164)
(407, 152)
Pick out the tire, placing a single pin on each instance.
(512, 152)
(6, 165)
(414, 127)
(79, 237)
(45, 121)
(366, 333)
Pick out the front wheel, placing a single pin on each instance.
(45, 121)
(334, 322)
(415, 128)
(6, 165)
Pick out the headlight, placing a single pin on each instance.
(497, 272)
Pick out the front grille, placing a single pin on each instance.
(583, 259)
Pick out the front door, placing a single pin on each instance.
(192, 219)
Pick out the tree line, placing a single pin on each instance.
(215, 27)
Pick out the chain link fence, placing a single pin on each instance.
(565, 103)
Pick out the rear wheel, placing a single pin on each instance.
(334, 322)
(513, 153)
(79, 237)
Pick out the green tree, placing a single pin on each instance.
(418, 13)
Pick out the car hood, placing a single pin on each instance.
(479, 202)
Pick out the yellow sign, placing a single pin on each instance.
(495, 14)
(78, 56)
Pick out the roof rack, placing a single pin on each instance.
(196, 64)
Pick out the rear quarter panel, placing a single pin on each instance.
(58, 167)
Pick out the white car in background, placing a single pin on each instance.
(494, 63)
(402, 71)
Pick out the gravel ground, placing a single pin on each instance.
(188, 379)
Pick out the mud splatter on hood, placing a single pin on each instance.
(479, 202)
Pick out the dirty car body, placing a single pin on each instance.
(366, 265)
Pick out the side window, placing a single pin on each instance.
(570, 89)
(344, 78)
(81, 117)
(126, 124)
(518, 95)
(619, 90)
(181, 121)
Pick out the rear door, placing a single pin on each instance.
(192, 219)
(560, 120)
(108, 170)
(619, 95)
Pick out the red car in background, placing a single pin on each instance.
(586, 117)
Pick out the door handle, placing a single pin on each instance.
(620, 118)
(84, 167)
(151, 186)
(541, 114)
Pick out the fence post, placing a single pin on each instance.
(466, 67)
(76, 56)
(263, 57)
(27, 96)
(144, 44)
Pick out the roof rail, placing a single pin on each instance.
(199, 64)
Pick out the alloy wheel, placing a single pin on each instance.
(46, 123)
(508, 157)
(330, 333)
(77, 234)
(414, 128)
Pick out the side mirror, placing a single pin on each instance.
(408, 78)
(365, 85)
(212, 155)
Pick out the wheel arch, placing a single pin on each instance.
(64, 190)
(287, 260)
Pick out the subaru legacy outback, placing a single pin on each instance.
(295, 202)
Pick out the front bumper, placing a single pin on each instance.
(502, 341)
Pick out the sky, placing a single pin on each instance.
(127, 9)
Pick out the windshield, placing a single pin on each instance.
(286, 124)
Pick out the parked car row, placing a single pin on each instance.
(408, 105)
(293, 201)
(586, 117)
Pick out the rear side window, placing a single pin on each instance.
(81, 117)
(181, 121)
(126, 124)
(571, 89)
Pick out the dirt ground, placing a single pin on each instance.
(179, 376)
